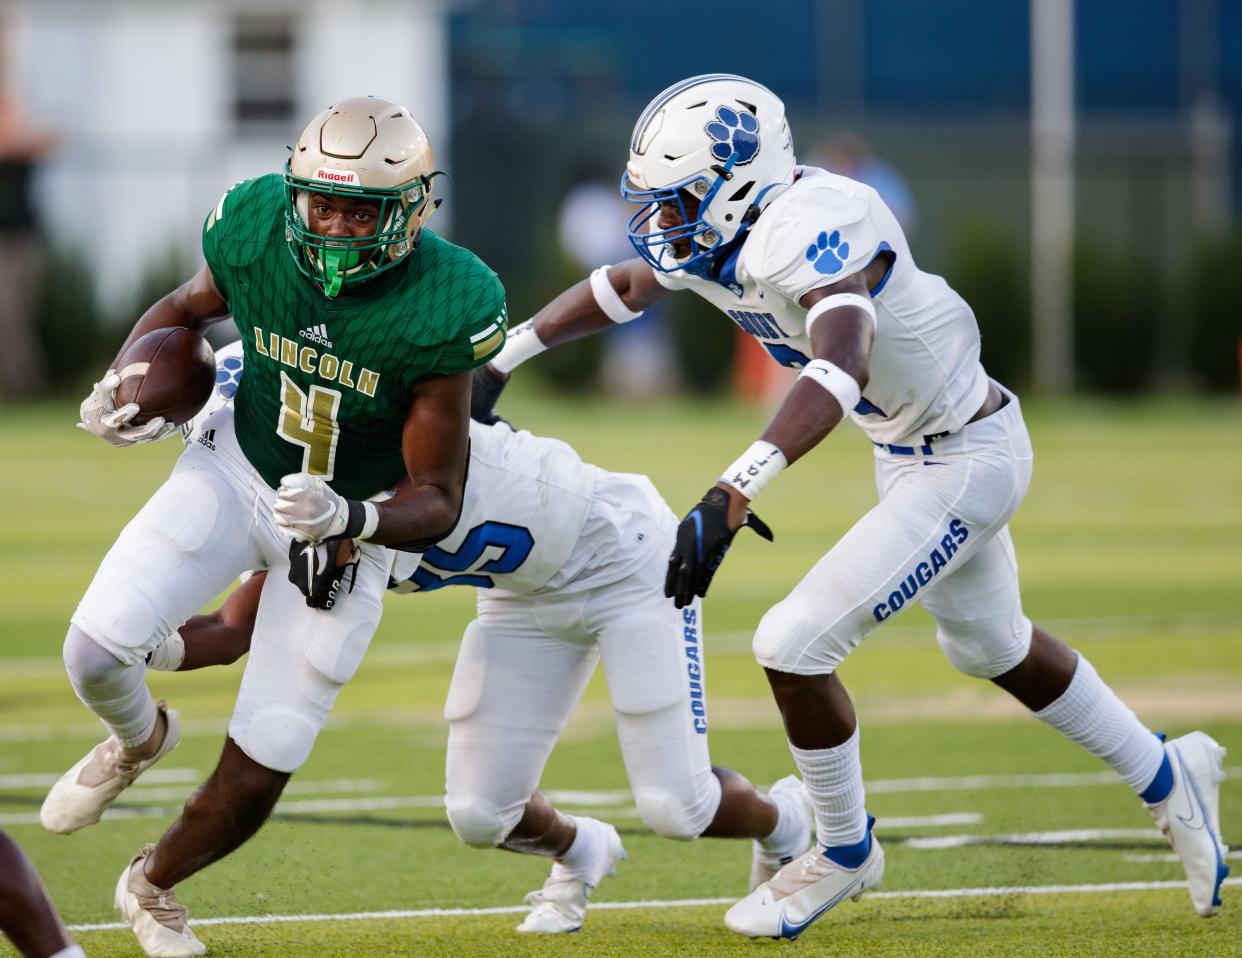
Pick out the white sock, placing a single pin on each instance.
(833, 779)
(168, 655)
(788, 822)
(73, 951)
(1089, 713)
(587, 858)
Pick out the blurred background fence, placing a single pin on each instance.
(149, 110)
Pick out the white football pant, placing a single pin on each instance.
(208, 523)
(523, 665)
(938, 536)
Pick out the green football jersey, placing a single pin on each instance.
(327, 384)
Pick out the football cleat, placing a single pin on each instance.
(560, 905)
(801, 892)
(82, 794)
(159, 920)
(1190, 816)
(766, 860)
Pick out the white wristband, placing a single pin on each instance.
(371, 520)
(755, 468)
(835, 300)
(609, 300)
(521, 344)
(842, 386)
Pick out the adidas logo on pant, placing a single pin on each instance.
(317, 334)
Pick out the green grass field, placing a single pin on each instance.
(1131, 550)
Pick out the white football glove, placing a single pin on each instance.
(308, 509)
(100, 416)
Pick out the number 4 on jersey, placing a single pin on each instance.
(309, 421)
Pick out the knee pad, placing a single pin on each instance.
(277, 739)
(672, 817)
(479, 823)
(985, 649)
(789, 639)
(87, 662)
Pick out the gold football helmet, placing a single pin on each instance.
(363, 147)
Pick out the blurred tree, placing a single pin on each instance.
(988, 270)
(1213, 322)
(704, 342)
(68, 321)
(1117, 321)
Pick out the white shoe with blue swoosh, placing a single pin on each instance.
(801, 892)
(1190, 816)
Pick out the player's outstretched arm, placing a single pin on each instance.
(610, 296)
(841, 327)
(193, 305)
(222, 637)
(435, 445)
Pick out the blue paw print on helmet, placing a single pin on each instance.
(228, 376)
(734, 131)
(828, 253)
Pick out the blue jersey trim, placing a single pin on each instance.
(879, 287)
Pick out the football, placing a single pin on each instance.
(168, 372)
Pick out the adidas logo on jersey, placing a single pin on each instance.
(317, 334)
(208, 439)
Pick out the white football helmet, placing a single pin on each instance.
(719, 139)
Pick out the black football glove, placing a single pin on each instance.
(485, 388)
(703, 538)
(318, 569)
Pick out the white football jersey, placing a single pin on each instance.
(926, 377)
(523, 512)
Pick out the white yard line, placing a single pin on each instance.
(929, 821)
(329, 787)
(677, 903)
(1035, 838)
(972, 782)
(1168, 857)
(156, 776)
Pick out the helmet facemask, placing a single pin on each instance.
(334, 262)
(655, 245)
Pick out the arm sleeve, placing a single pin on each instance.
(828, 237)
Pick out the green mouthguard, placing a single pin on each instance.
(334, 264)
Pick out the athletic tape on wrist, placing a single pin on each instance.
(520, 345)
(755, 468)
(609, 300)
(363, 518)
(842, 386)
(838, 299)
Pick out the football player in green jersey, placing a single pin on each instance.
(360, 329)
